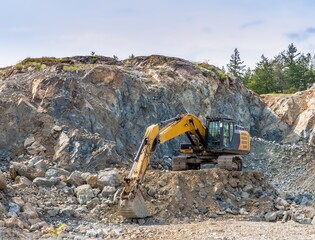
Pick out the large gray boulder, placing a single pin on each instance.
(108, 178)
(84, 193)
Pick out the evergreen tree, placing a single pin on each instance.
(263, 77)
(236, 66)
(247, 78)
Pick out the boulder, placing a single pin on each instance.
(76, 179)
(44, 182)
(107, 178)
(31, 171)
(29, 141)
(84, 193)
(90, 179)
(108, 191)
(152, 191)
(14, 209)
(35, 148)
(218, 188)
(271, 216)
(23, 181)
(13, 222)
(67, 211)
(56, 172)
(19, 201)
(29, 211)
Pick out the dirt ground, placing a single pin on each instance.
(225, 230)
(208, 230)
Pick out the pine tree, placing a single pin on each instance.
(236, 66)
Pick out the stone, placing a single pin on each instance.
(35, 160)
(243, 211)
(213, 215)
(29, 141)
(30, 171)
(44, 182)
(33, 220)
(93, 203)
(282, 202)
(107, 178)
(13, 222)
(218, 188)
(76, 179)
(18, 201)
(90, 179)
(313, 221)
(29, 211)
(258, 192)
(245, 195)
(14, 208)
(35, 148)
(177, 193)
(95, 212)
(108, 191)
(233, 182)
(23, 181)
(162, 183)
(84, 193)
(141, 221)
(57, 128)
(202, 195)
(53, 212)
(203, 210)
(248, 188)
(3, 182)
(152, 191)
(67, 212)
(271, 216)
(56, 172)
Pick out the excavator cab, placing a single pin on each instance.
(219, 133)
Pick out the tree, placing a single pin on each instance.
(236, 66)
(263, 77)
(247, 78)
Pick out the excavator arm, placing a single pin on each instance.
(132, 204)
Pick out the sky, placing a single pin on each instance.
(199, 30)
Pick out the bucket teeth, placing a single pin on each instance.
(134, 208)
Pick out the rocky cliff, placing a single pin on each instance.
(94, 115)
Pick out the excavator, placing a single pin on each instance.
(220, 143)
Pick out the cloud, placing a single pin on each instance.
(310, 30)
(251, 24)
(302, 35)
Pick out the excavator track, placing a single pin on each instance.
(135, 207)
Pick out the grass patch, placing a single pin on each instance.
(43, 60)
(221, 74)
(70, 68)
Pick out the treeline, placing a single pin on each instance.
(288, 72)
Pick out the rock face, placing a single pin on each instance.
(298, 111)
(95, 117)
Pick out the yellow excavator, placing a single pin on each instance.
(220, 143)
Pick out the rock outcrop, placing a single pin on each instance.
(297, 111)
(95, 116)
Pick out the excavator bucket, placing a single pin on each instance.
(134, 208)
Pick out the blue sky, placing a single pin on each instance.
(196, 30)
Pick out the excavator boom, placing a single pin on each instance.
(132, 204)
